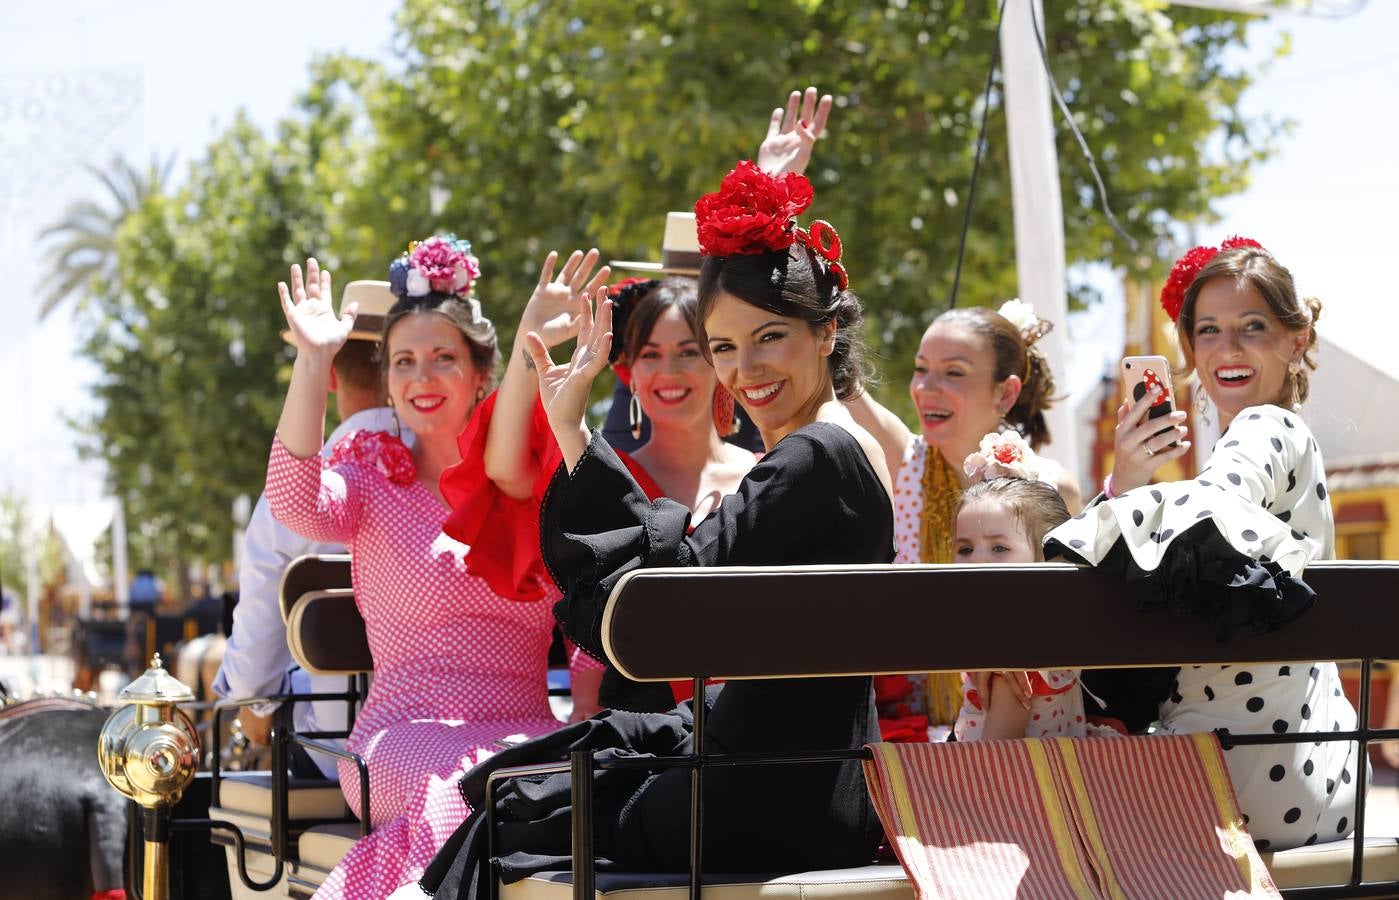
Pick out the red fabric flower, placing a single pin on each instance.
(1007, 453)
(752, 212)
(1188, 266)
(377, 450)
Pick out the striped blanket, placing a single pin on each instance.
(1066, 817)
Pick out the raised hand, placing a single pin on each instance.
(564, 389)
(555, 306)
(315, 328)
(790, 137)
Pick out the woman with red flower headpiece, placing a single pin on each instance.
(672, 389)
(459, 662)
(1231, 545)
(781, 327)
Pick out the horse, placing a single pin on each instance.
(62, 826)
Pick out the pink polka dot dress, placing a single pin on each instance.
(457, 667)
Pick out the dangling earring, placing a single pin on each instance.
(724, 420)
(1294, 372)
(634, 414)
(1202, 404)
(397, 427)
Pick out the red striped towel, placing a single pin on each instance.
(1066, 817)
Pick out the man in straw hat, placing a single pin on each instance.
(256, 661)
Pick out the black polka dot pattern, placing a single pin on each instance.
(1290, 791)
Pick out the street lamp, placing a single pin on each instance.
(149, 751)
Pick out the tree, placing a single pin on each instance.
(190, 358)
(83, 258)
(529, 126)
(554, 125)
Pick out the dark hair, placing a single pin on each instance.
(1013, 357)
(792, 284)
(475, 328)
(356, 364)
(643, 309)
(1037, 506)
(1259, 270)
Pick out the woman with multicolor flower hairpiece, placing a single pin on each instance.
(459, 662)
(1231, 545)
(781, 327)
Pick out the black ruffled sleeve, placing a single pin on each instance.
(597, 525)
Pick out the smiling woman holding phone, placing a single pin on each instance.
(1231, 544)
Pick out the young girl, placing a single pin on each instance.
(1004, 515)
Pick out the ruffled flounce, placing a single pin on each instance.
(1200, 573)
(502, 531)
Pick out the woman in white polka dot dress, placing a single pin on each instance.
(458, 664)
(1232, 544)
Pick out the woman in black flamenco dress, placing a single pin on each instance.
(781, 327)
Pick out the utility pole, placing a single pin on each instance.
(1039, 212)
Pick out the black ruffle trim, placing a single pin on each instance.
(1203, 575)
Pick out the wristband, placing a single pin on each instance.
(1107, 487)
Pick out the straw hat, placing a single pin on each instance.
(374, 299)
(680, 253)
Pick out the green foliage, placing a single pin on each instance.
(22, 534)
(530, 126)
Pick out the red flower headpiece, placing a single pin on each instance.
(624, 295)
(1188, 266)
(752, 212)
(823, 239)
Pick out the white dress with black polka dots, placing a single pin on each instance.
(1264, 490)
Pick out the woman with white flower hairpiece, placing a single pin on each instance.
(459, 659)
(976, 371)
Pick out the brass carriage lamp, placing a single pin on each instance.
(149, 751)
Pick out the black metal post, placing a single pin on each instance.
(697, 796)
(581, 772)
(1357, 860)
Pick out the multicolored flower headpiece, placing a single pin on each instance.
(754, 212)
(1189, 265)
(1005, 454)
(442, 263)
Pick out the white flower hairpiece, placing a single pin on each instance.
(1005, 455)
(1022, 316)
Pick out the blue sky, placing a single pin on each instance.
(1326, 205)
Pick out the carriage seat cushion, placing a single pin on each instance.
(1329, 863)
(251, 793)
(880, 882)
(1319, 864)
(324, 846)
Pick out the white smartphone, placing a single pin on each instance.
(1141, 374)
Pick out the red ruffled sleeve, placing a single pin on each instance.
(503, 531)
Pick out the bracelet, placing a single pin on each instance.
(1107, 487)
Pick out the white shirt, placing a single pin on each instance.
(256, 661)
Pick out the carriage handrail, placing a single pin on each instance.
(739, 622)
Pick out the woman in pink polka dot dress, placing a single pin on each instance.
(459, 662)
